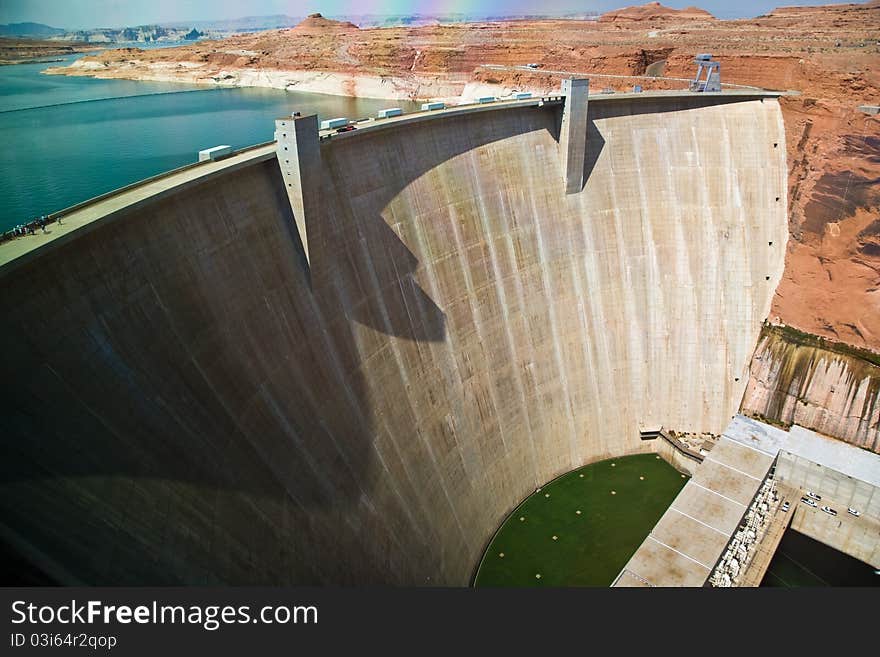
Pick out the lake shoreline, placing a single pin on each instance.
(449, 88)
(131, 130)
(38, 60)
(376, 87)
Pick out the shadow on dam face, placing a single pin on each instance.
(196, 367)
(184, 403)
(376, 286)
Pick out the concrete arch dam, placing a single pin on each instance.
(186, 400)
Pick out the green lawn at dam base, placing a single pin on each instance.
(581, 528)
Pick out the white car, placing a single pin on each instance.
(813, 495)
(853, 512)
(809, 502)
(827, 509)
(785, 506)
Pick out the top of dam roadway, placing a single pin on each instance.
(89, 214)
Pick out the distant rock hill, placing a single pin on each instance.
(139, 34)
(794, 10)
(655, 11)
(243, 24)
(317, 23)
(29, 30)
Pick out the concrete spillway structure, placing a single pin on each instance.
(685, 547)
(187, 399)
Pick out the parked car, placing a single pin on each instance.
(809, 502)
(345, 128)
(827, 509)
(785, 506)
(853, 512)
(813, 495)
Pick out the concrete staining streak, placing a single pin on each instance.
(464, 330)
(835, 393)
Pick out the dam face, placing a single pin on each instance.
(186, 400)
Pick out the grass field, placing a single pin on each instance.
(803, 561)
(619, 500)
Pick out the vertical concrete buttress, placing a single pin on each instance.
(299, 156)
(573, 134)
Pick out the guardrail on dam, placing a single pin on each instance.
(186, 399)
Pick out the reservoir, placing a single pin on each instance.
(68, 139)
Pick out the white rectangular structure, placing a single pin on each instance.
(391, 111)
(215, 153)
(427, 107)
(329, 124)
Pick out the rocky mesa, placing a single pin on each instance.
(654, 11)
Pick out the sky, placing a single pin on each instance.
(82, 14)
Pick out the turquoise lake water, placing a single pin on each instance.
(67, 139)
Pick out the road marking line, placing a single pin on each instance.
(715, 492)
(723, 533)
(731, 468)
(681, 553)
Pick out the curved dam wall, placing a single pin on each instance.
(186, 401)
(797, 378)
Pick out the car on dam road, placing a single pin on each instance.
(814, 495)
(809, 502)
(853, 512)
(827, 509)
(786, 506)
